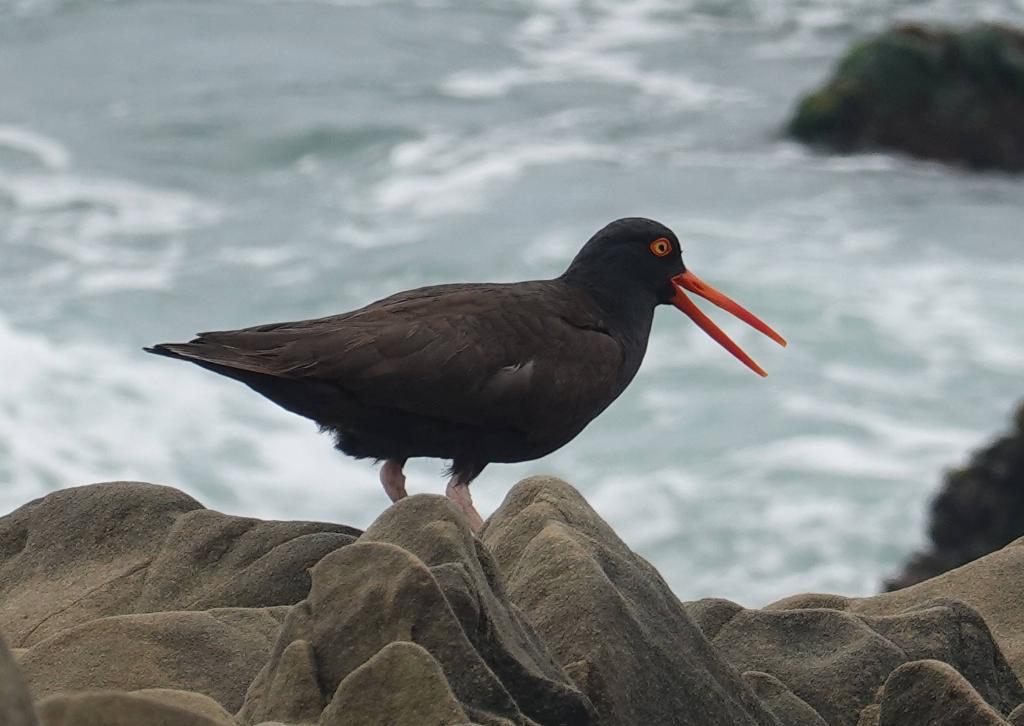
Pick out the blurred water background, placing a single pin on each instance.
(174, 166)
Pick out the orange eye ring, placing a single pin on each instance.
(660, 247)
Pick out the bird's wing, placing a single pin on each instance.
(474, 354)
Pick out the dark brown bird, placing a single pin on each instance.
(474, 373)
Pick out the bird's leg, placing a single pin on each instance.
(458, 491)
(393, 479)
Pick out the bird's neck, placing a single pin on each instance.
(628, 307)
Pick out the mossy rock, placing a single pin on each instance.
(934, 93)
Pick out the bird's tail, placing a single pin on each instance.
(311, 399)
(210, 354)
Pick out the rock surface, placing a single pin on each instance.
(15, 700)
(931, 92)
(157, 611)
(979, 509)
(216, 653)
(125, 547)
(837, 661)
(141, 708)
(930, 693)
(417, 579)
(608, 616)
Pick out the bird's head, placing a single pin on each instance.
(641, 254)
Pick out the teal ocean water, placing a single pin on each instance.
(169, 166)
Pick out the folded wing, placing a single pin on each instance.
(502, 355)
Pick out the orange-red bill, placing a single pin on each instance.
(694, 284)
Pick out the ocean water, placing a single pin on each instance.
(168, 166)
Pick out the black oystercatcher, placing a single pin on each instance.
(475, 373)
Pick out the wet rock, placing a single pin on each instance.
(934, 93)
(608, 616)
(979, 509)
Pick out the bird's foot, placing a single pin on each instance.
(459, 493)
(393, 479)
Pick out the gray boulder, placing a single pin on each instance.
(992, 585)
(153, 610)
(837, 661)
(417, 596)
(931, 693)
(124, 547)
(609, 618)
(786, 705)
(216, 653)
(79, 554)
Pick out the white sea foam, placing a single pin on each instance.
(937, 309)
(826, 454)
(888, 431)
(567, 42)
(88, 226)
(455, 181)
(442, 174)
(71, 413)
(48, 151)
(738, 536)
(96, 208)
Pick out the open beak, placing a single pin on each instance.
(689, 281)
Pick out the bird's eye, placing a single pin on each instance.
(661, 247)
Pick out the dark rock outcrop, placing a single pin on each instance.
(979, 509)
(934, 93)
(547, 620)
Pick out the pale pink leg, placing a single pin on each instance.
(458, 492)
(393, 479)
